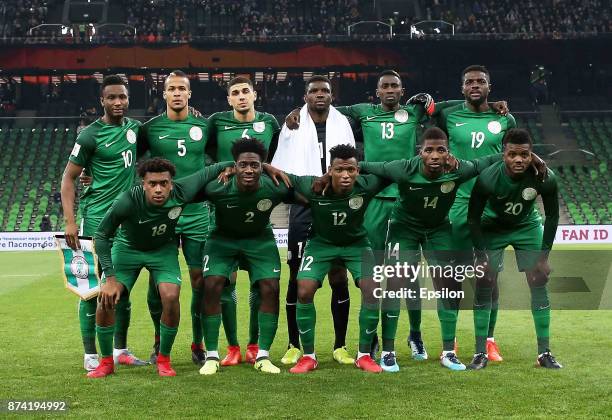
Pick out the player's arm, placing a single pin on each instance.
(274, 141)
(119, 211)
(211, 144)
(478, 201)
(192, 187)
(468, 169)
(393, 171)
(375, 184)
(302, 186)
(142, 141)
(81, 154)
(550, 199)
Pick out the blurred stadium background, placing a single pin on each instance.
(547, 58)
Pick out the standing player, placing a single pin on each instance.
(420, 221)
(142, 221)
(305, 151)
(389, 133)
(180, 137)
(107, 149)
(338, 237)
(506, 192)
(243, 121)
(474, 130)
(243, 235)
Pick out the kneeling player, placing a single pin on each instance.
(143, 222)
(506, 192)
(243, 236)
(339, 238)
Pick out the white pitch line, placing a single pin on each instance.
(18, 275)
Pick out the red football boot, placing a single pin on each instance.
(105, 368)
(163, 366)
(368, 364)
(305, 364)
(233, 357)
(251, 353)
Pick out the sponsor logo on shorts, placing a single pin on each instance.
(356, 202)
(370, 332)
(447, 187)
(304, 332)
(79, 267)
(131, 136)
(401, 115)
(174, 213)
(264, 205)
(494, 127)
(259, 126)
(529, 194)
(195, 133)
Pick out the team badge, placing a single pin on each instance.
(259, 126)
(79, 267)
(195, 133)
(529, 194)
(131, 136)
(494, 127)
(356, 202)
(174, 213)
(401, 115)
(264, 205)
(447, 187)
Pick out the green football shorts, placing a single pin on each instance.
(405, 242)
(258, 255)
(162, 263)
(192, 230)
(526, 241)
(376, 221)
(320, 256)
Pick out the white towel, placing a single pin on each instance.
(298, 150)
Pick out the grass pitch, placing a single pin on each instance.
(41, 359)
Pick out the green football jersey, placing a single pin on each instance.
(109, 153)
(473, 135)
(245, 214)
(338, 219)
(423, 202)
(225, 129)
(139, 225)
(181, 142)
(387, 135)
(510, 203)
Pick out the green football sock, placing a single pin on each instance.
(87, 322)
(414, 309)
(540, 309)
(167, 336)
(368, 324)
(447, 315)
(306, 316)
(123, 312)
(414, 317)
(493, 319)
(254, 302)
(105, 339)
(268, 323)
(228, 311)
(196, 323)
(155, 305)
(389, 321)
(211, 325)
(482, 310)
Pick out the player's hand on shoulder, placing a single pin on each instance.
(292, 120)
(452, 163)
(501, 107)
(424, 99)
(85, 179)
(539, 166)
(277, 175)
(321, 184)
(226, 174)
(71, 232)
(195, 112)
